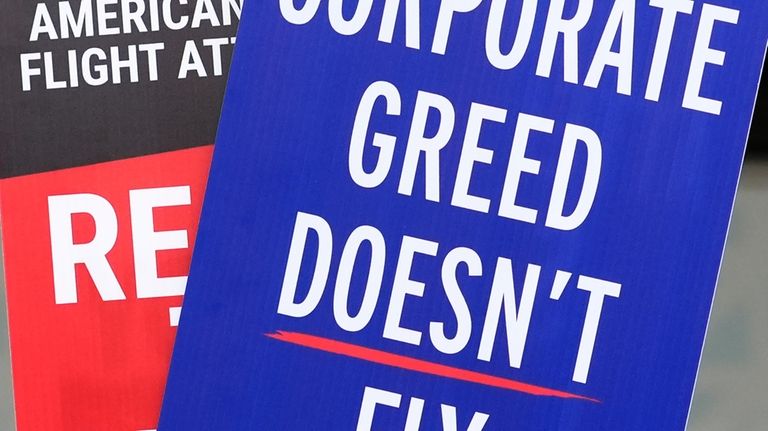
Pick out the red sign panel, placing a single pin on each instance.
(96, 260)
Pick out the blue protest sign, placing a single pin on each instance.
(465, 215)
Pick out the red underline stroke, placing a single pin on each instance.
(418, 365)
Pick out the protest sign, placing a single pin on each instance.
(472, 215)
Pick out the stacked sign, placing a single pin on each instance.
(108, 111)
(465, 214)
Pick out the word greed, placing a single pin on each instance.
(419, 145)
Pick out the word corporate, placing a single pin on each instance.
(618, 30)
